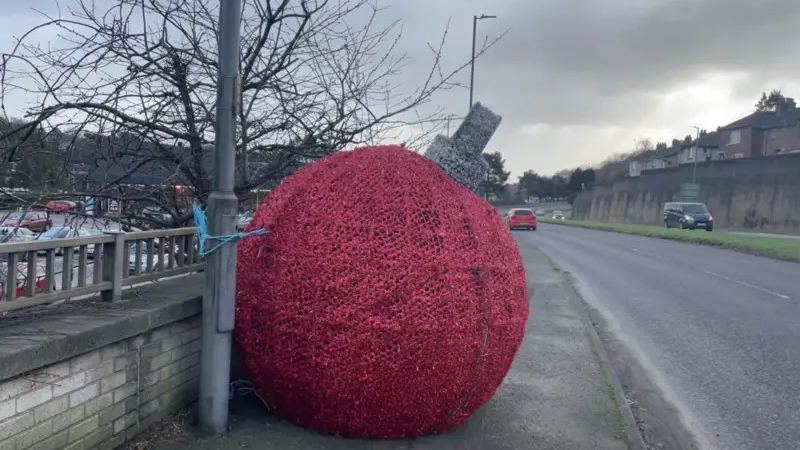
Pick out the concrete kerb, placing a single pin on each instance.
(635, 440)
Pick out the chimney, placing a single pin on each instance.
(661, 146)
(788, 105)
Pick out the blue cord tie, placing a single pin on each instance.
(202, 230)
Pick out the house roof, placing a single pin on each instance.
(666, 152)
(646, 155)
(708, 140)
(767, 119)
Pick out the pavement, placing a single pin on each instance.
(558, 395)
(714, 333)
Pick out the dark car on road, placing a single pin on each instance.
(688, 216)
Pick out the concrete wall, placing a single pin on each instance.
(746, 194)
(96, 375)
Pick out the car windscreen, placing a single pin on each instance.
(55, 233)
(522, 212)
(695, 209)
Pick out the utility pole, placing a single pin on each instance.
(475, 20)
(218, 299)
(696, 147)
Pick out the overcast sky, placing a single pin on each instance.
(579, 80)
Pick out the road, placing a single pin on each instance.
(716, 332)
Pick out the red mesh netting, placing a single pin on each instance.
(388, 301)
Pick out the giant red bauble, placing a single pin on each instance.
(387, 301)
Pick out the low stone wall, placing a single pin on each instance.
(93, 375)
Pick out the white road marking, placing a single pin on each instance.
(751, 286)
(723, 277)
(650, 255)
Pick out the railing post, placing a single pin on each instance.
(113, 265)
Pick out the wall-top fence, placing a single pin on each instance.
(44, 271)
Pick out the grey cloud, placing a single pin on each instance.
(631, 40)
(596, 72)
(590, 61)
(589, 64)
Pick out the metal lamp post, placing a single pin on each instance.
(218, 299)
(475, 20)
(696, 148)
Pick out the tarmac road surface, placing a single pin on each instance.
(716, 332)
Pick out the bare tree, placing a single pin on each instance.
(130, 90)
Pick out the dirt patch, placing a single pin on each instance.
(175, 428)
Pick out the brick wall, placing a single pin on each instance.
(105, 397)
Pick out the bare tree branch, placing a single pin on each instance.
(127, 97)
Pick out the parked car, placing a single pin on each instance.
(33, 220)
(540, 212)
(16, 234)
(558, 215)
(22, 279)
(60, 206)
(143, 263)
(70, 233)
(244, 220)
(58, 233)
(156, 212)
(90, 232)
(521, 218)
(155, 217)
(688, 216)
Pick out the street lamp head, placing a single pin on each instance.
(484, 16)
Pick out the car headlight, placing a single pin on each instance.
(710, 218)
(688, 218)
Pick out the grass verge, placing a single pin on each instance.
(770, 247)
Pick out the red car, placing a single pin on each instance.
(521, 218)
(22, 282)
(60, 206)
(32, 220)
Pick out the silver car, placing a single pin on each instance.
(70, 233)
(16, 234)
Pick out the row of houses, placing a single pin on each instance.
(763, 133)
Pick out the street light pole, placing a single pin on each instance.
(696, 147)
(475, 20)
(218, 299)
